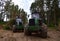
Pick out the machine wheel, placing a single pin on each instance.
(14, 28)
(27, 32)
(44, 31)
(44, 34)
(14, 31)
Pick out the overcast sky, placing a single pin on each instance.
(25, 4)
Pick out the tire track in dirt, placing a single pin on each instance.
(10, 36)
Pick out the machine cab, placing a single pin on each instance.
(35, 19)
(18, 20)
(35, 15)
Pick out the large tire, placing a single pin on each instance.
(27, 32)
(44, 31)
(44, 34)
(14, 28)
(14, 31)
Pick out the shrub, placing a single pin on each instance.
(11, 22)
(1, 22)
(5, 27)
(51, 25)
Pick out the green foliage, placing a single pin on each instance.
(53, 28)
(24, 17)
(11, 22)
(6, 27)
(15, 11)
(53, 14)
(1, 22)
(51, 25)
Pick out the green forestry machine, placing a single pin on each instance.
(35, 25)
(18, 25)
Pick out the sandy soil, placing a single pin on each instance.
(53, 35)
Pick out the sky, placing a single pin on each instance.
(24, 4)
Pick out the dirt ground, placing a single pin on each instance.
(53, 35)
